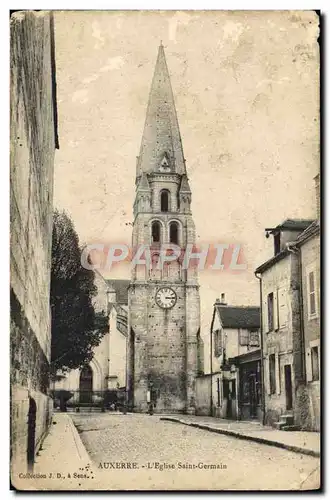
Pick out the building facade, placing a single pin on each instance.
(107, 370)
(164, 310)
(33, 131)
(309, 248)
(236, 384)
(283, 287)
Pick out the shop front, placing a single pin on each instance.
(250, 385)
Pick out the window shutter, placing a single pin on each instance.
(243, 337)
(265, 314)
(275, 315)
(267, 381)
(282, 307)
(309, 374)
(277, 374)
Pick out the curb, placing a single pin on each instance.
(247, 437)
(82, 452)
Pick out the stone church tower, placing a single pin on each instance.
(164, 306)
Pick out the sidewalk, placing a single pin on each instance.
(307, 443)
(60, 461)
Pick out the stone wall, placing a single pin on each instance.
(310, 261)
(33, 142)
(159, 348)
(117, 351)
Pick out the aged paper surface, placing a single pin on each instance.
(198, 129)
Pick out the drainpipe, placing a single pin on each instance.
(211, 361)
(296, 251)
(263, 407)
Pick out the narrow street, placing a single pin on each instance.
(142, 452)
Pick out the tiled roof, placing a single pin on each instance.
(239, 316)
(311, 230)
(121, 287)
(270, 262)
(295, 224)
(307, 229)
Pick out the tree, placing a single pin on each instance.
(76, 327)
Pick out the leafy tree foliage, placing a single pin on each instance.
(76, 327)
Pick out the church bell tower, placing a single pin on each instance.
(164, 305)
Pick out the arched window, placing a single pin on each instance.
(174, 233)
(155, 232)
(164, 201)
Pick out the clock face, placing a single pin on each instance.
(165, 298)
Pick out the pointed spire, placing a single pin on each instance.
(144, 183)
(161, 136)
(184, 187)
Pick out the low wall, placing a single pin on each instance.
(203, 395)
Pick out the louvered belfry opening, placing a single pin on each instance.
(174, 233)
(155, 232)
(164, 201)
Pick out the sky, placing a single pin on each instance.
(246, 90)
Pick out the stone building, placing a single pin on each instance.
(308, 248)
(281, 282)
(33, 132)
(234, 385)
(107, 370)
(164, 310)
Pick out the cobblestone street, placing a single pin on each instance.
(165, 455)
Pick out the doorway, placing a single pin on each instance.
(229, 394)
(253, 395)
(86, 385)
(288, 386)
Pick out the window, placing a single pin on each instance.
(243, 337)
(218, 390)
(174, 233)
(155, 232)
(164, 201)
(270, 304)
(217, 343)
(311, 293)
(254, 338)
(272, 375)
(315, 363)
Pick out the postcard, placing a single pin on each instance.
(165, 250)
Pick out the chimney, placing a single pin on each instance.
(223, 299)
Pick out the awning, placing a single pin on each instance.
(245, 358)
